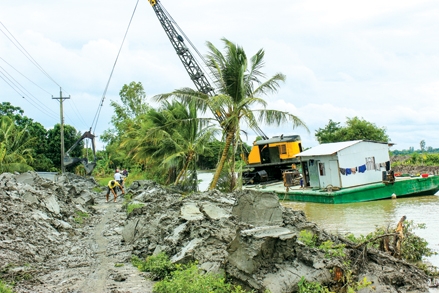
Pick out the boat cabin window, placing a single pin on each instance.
(283, 149)
(322, 169)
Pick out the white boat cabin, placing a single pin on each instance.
(345, 164)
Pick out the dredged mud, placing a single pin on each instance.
(248, 235)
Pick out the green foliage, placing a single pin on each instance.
(355, 129)
(311, 287)
(37, 136)
(308, 238)
(4, 288)
(97, 189)
(80, 217)
(417, 159)
(332, 250)
(189, 279)
(182, 278)
(364, 283)
(15, 151)
(413, 247)
(329, 133)
(103, 181)
(133, 206)
(118, 265)
(158, 265)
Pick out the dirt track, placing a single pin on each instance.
(93, 267)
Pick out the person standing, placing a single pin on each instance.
(112, 185)
(118, 177)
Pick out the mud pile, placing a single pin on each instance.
(254, 239)
(246, 234)
(37, 220)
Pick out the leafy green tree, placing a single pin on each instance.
(71, 135)
(355, 129)
(239, 87)
(133, 104)
(209, 159)
(329, 133)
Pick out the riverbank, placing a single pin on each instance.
(63, 236)
(363, 218)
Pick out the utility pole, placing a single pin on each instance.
(61, 98)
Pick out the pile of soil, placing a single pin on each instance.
(44, 246)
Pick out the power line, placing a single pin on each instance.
(77, 114)
(24, 75)
(17, 87)
(14, 41)
(25, 53)
(95, 120)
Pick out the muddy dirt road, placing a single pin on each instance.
(63, 237)
(97, 260)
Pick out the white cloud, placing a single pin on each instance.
(373, 59)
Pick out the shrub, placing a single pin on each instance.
(4, 288)
(158, 265)
(188, 279)
(311, 287)
(132, 206)
(332, 250)
(308, 238)
(80, 216)
(414, 248)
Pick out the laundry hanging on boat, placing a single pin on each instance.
(362, 168)
(370, 165)
(388, 166)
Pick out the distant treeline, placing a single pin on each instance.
(412, 150)
(417, 159)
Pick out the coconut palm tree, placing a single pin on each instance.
(174, 136)
(239, 89)
(15, 154)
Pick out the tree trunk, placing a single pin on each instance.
(232, 167)
(184, 169)
(222, 160)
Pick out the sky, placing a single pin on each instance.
(377, 60)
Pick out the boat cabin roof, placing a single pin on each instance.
(278, 139)
(326, 149)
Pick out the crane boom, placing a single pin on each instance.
(190, 64)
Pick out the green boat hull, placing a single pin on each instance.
(400, 188)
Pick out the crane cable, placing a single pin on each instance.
(95, 119)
